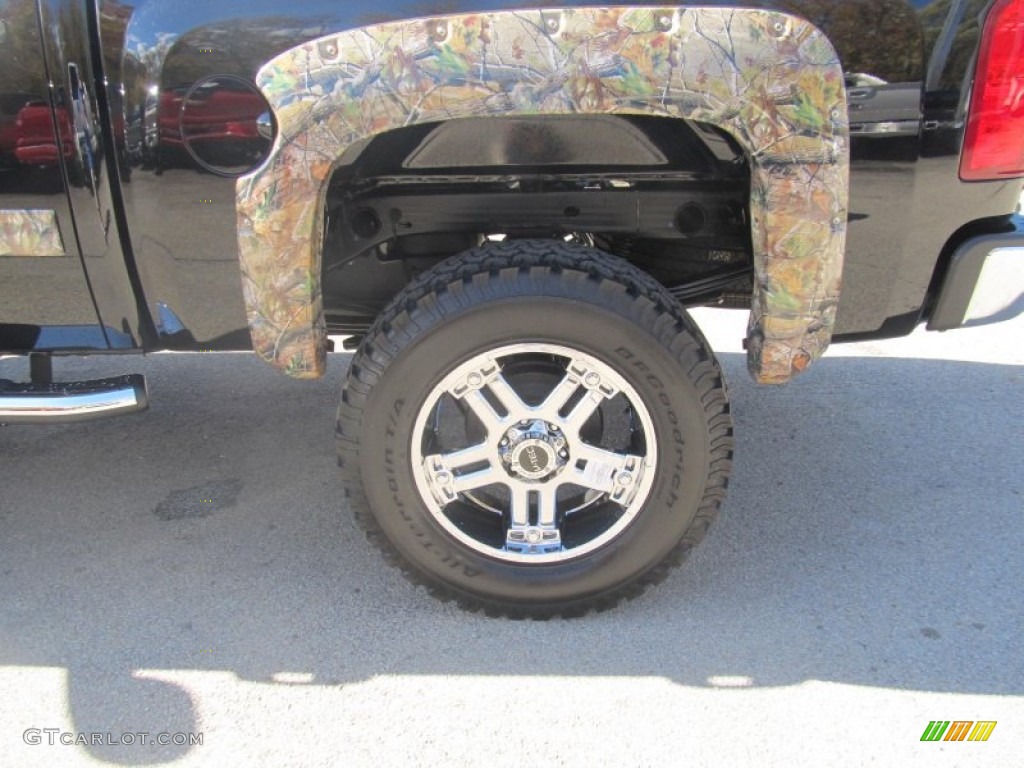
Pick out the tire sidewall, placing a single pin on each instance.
(610, 326)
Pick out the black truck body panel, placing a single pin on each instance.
(147, 209)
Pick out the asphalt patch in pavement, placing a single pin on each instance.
(199, 500)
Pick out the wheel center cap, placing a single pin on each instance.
(533, 450)
(533, 459)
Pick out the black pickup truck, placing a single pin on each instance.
(506, 211)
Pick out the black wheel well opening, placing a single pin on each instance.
(670, 196)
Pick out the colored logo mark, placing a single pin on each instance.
(959, 730)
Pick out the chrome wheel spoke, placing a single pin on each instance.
(547, 505)
(466, 457)
(525, 537)
(478, 479)
(481, 407)
(598, 388)
(609, 472)
(512, 477)
(519, 504)
(483, 372)
(583, 410)
(446, 475)
(507, 396)
(558, 398)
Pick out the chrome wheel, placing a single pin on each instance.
(496, 433)
(534, 453)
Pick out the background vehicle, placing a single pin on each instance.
(34, 138)
(508, 211)
(10, 105)
(217, 128)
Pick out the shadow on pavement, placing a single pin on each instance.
(871, 537)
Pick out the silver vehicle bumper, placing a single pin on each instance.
(984, 283)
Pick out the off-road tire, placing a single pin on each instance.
(535, 291)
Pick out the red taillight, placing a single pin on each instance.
(994, 140)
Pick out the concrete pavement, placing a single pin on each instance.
(193, 570)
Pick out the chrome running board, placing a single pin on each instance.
(66, 402)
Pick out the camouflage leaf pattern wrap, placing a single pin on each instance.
(771, 80)
(30, 233)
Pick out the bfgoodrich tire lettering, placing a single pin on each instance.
(540, 307)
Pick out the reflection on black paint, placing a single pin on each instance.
(44, 301)
(154, 51)
(216, 122)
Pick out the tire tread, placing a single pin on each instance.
(489, 272)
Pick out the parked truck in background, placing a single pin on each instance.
(506, 211)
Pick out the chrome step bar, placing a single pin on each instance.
(66, 402)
